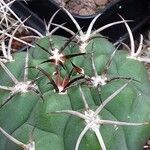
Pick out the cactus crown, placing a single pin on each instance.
(92, 92)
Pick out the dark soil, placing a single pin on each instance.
(83, 7)
(16, 45)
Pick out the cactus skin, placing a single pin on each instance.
(60, 131)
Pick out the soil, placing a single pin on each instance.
(25, 35)
(16, 45)
(83, 7)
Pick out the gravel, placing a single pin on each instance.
(83, 7)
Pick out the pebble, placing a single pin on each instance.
(100, 2)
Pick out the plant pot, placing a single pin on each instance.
(24, 12)
(136, 10)
(33, 21)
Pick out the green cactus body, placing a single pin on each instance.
(65, 89)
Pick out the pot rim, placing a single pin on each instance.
(109, 5)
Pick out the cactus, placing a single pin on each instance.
(66, 94)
